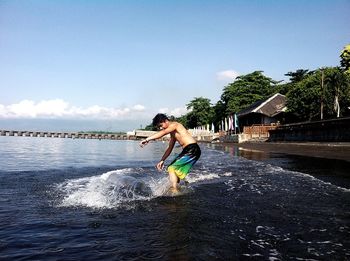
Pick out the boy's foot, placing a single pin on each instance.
(173, 191)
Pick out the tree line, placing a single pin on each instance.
(323, 93)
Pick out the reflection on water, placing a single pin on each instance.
(236, 151)
(329, 170)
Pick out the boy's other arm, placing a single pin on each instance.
(169, 149)
(172, 141)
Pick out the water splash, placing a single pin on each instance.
(123, 187)
(112, 189)
(108, 190)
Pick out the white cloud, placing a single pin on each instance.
(2, 109)
(30, 109)
(139, 107)
(228, 75)
(57, 108)
(177, 112)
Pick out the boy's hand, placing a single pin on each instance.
(143, 143)
(160, 165)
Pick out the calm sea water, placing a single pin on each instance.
(64, 199)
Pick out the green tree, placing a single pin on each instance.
(304, 99)
(345, 59)
(246, 90)
(219, 111)
(338, 84)
(150, 127)
(201, 112)
(283, 88)
(183, 120)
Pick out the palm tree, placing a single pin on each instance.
(298, 75)
(337, 82)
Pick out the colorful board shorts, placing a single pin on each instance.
(183, 163)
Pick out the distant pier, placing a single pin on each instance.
(69, 135)
(134, 135)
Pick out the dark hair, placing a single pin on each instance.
(159, 118)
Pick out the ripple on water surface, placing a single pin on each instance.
(232, 208)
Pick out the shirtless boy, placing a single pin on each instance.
(182, 164)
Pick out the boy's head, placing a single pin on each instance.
(158, 119)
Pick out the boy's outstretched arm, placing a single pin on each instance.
(158, 135)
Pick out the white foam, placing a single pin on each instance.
(106, 175)
(84, 192)
(194, 177)
(277, 169)
(252, 255)
(108, 190)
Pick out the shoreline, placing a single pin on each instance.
(328, 150)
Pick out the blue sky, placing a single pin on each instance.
(127, 60)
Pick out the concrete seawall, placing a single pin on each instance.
(336, 130)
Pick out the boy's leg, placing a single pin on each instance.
(173, 180)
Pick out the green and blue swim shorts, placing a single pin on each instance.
(183, 163)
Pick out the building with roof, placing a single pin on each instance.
(264, 112)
